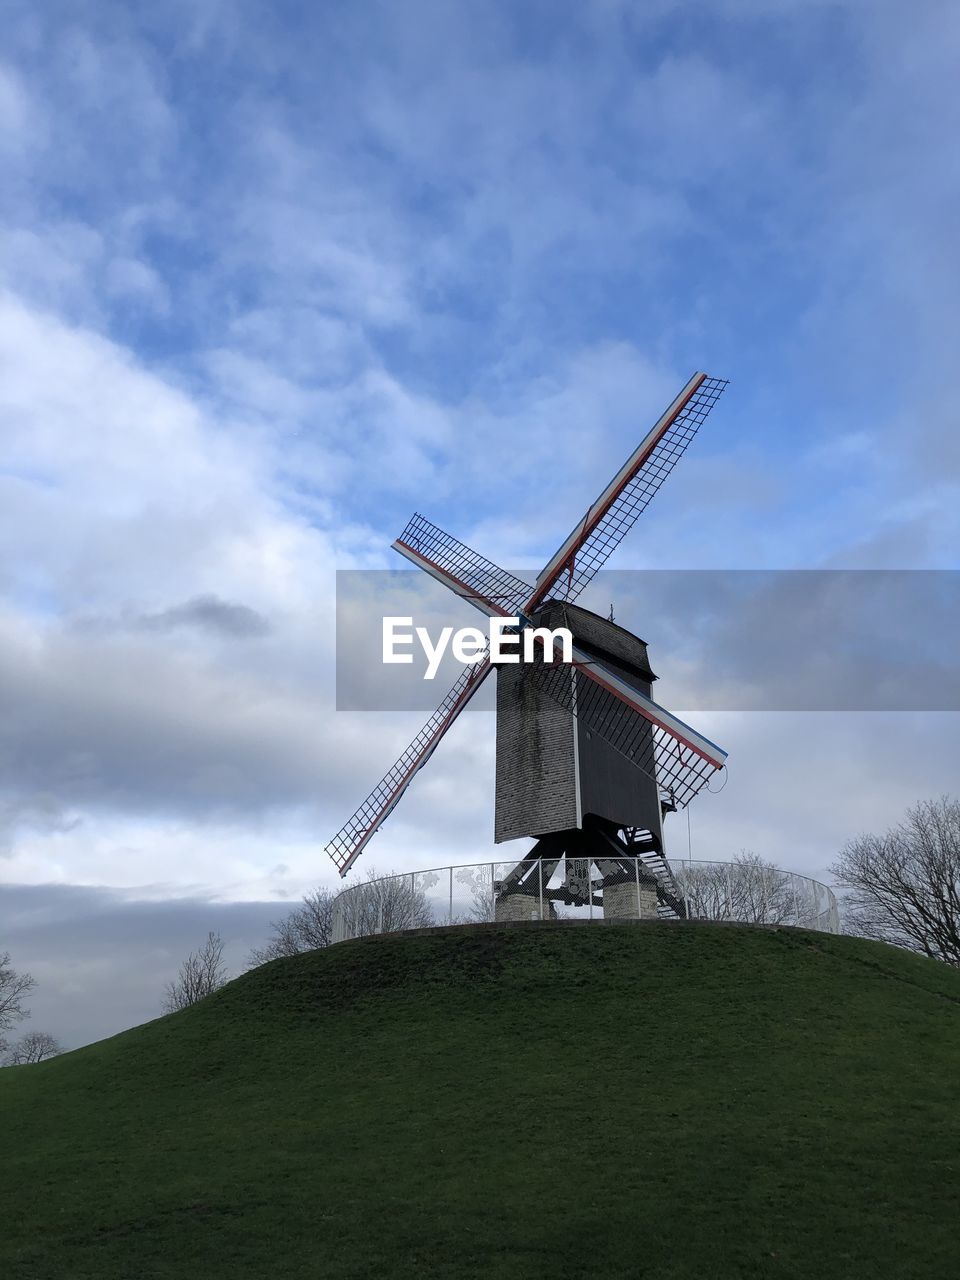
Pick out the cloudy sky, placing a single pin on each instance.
(274, 276)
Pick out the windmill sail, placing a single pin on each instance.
(466, 572)
(352, 837)
(655, 741)
(606, 523)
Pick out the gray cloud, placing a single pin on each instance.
(126, 723)
(37, 812)
(101, 957)
(208, 613)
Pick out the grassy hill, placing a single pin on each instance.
(664, 1100)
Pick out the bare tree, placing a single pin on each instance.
(904, 887)
(761, 893)
(307, 928)
(706, 889)
(478, 882)
(35, 1046)
(13, 987)
(382, 905)
(202, 973)
(748, 889)
(482, 910)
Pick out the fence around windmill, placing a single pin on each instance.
(744, 891)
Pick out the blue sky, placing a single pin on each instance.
(273, 276)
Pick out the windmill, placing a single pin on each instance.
(587, 761)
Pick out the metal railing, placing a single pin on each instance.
(747, 891)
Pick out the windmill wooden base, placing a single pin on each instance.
(621, 872)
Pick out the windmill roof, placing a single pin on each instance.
(599, 634)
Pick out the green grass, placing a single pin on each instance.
(662, 1100)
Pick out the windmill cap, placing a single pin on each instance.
(597, 634)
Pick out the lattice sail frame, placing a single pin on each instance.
(365, 822)
(680, 760)
(605, 524)
(467, 573)
(686, 758)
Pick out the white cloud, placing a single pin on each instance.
(18, 122)
(119, 487)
